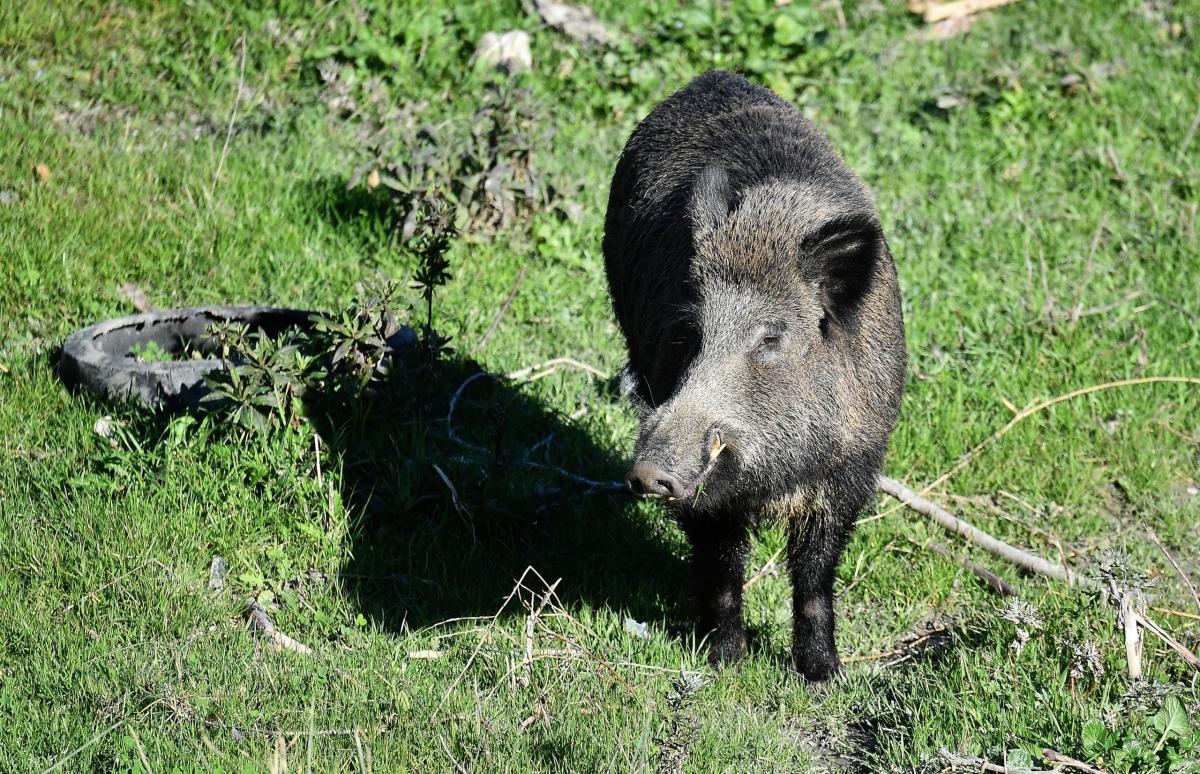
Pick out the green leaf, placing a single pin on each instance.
(1170, 720)
(790, 29)
(1095, 737)
(251, 578)
(1017, 758)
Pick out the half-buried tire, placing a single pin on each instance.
(103, 358)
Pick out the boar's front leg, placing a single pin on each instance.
(814, 546)
(720, 545)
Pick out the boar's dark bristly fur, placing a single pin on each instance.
(760, 306)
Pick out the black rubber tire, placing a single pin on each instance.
(97, 358)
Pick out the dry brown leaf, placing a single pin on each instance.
(42, 172)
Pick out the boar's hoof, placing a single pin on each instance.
(646, 478)
(726, 651)
(817, 669)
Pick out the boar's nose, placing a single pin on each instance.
(646, 478)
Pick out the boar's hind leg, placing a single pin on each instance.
(814, 545)
(720, 546)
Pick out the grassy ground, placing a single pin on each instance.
(1038, 178)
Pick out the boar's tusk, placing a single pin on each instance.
(715, 448)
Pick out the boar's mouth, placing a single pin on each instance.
(691, 491)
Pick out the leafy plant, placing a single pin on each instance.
(267, 381)
(485, 167)
(149, 352)
(1165, 742)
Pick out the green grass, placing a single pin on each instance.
(999, 204)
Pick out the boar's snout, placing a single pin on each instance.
(646, 478)
(664, 467)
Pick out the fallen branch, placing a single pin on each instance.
(935, 12)
(503, 308)
(974, 535)
(979, 764)
(259, 620)
(1066, 760)
(1183, 576)
(1029, 411)
(1130, 615)
(993, 581)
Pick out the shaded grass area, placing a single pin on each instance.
(1037, 184)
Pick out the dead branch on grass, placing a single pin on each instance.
(1029, 411)
(1131, 614)
(993, 581)
(972, 534)
(483, 340)
(257, 616)
(935, 12)
(529, 374)
(971, 763)
(1066, 760)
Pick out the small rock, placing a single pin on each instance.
(217, 572)
(8, 197)
(951, 101)
(637, 629)
(507, 50)
(104, 427)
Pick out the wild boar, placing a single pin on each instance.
(760, 307)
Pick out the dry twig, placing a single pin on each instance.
(1183, 576)
(979, 764)
(259, 620)
(935, 12)
(531, 373)
(237, 99)
(769, 568)
(993, 581)
(1025, 413)
(483, 340)
(906, 649)
(1066, 760)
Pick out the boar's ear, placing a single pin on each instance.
(844, 251)
(712, 199)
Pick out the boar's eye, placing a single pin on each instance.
(766, 342)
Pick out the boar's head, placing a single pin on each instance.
(756, 387)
